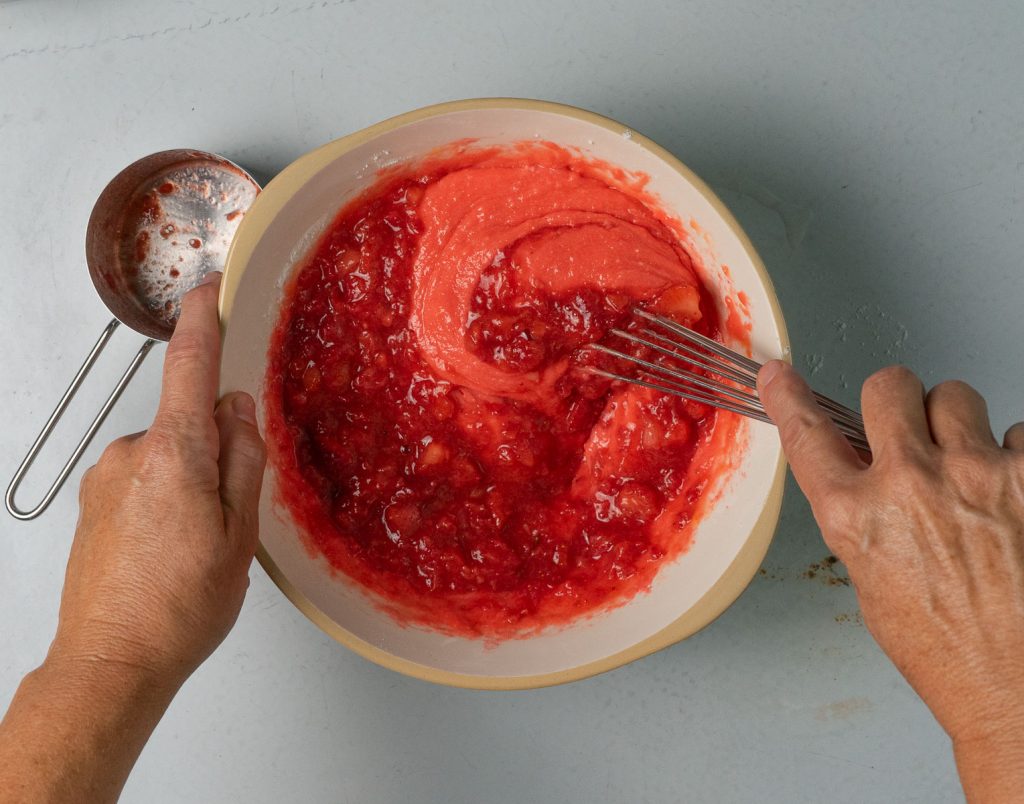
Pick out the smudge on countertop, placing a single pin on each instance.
(843, 709)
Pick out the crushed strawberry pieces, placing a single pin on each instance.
(433, 433)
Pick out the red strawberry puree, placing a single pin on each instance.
(433, 434)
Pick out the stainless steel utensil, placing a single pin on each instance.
(687, 364)
(156, 230)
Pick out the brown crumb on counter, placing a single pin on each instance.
(825, 570)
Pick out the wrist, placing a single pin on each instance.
(94, 672)
(990, 757)
(991, 768)
(100, 656)
(993, 718)
(76, 726)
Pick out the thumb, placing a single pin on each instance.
(820, 457)
(242, 459)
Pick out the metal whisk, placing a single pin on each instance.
(703, 370)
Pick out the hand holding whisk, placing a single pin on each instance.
(687, 364)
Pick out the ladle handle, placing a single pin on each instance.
(65, 400)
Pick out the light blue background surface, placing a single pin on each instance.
(873, 152)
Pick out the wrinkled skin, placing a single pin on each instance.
(932, 534)
(156, 577)
(168, 526)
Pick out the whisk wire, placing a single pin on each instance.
(693, 397)
(692, 355)
(689, 376)
(695, 337)
(728, 381)
(682, 374)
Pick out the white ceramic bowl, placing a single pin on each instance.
(731, 539)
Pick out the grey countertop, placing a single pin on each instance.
(874, 153)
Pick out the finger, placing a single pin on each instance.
(892, 402)
(192, 362)
(820, 457)
(243, 457)
(1014, 438)
(958, 415)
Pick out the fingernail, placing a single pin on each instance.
(244, 408)
(210, 278)
(769, 371)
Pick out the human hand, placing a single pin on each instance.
(168, 525)
(932, 534)
(157, 573)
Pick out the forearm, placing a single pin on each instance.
(74, 730)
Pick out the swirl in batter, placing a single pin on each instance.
(433, 434)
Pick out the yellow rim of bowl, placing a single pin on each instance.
(717, 599)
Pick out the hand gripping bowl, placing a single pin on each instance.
(730, 540)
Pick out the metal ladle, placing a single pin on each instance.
(156, 230)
